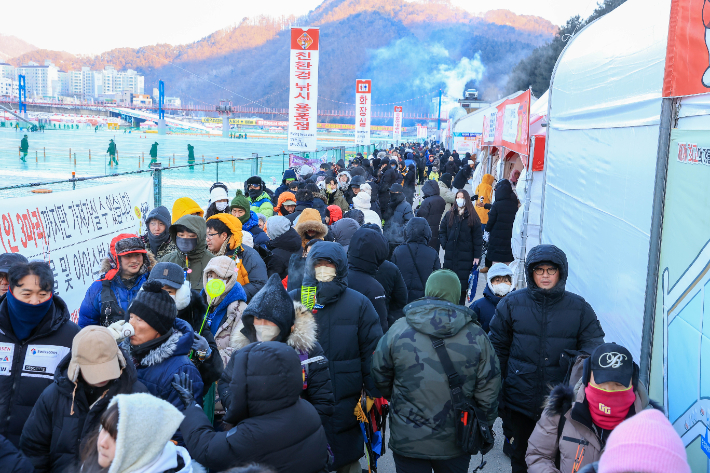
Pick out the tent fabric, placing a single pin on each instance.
(603, 129)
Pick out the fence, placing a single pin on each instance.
(192, 179)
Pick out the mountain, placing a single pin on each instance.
(12, 46)
(409, 49)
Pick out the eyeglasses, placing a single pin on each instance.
(541, 271)
(212, 235)
(254, 186)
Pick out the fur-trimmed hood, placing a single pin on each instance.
(106, 264)
(179, 343)
(302, 338)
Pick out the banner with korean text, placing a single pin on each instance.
(422, 132)
(507, 125)
(303, 91)
(363, 99)
(72, 230)
(397, 125)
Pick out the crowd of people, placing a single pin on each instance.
(260, 334)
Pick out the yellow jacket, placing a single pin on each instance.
(484, 191)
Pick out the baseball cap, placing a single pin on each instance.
(8, 260)
(289, 202)
(612, 362)
(168, 274)
(95, 354)
(131, 244)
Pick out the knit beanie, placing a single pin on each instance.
(277, 226)
(218, 191)
(155, 307)
(444, 284)
(271, 303)
(161, 214)
(500, 269)
(362, 201)
(397, 187)
(241, 201)
(366, 189)
(645, 443)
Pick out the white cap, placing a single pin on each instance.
(218, 193)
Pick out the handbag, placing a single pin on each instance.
(473, 283)
(473, 434)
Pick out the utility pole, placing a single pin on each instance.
(438, 120)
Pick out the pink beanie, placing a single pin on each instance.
(646, 443)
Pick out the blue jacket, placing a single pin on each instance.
(157, 368)
(90, 311)
(288, 174)
(214, 320)
(252, 226)
(485, 307)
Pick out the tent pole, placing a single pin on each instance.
(654, 251)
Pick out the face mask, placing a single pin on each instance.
(220, 206)
(460, 202)
(186, 245)
(331, 189)
(25, 317)
(325, 273)
(501, 289)
(608, 408)
(254, 193)
(266, 333)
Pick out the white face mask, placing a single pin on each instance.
(220, 206)
(266, 333)
(325, 273)
(460, 202)
(500, 289)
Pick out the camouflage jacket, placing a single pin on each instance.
(164, 249)
(407, 371)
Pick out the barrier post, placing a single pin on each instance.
(44, 152)
(255, 164)
(36, 157)
(217, 166)
(233, 170)
(89, 155)
(75, 160)
(203, 162)
(73, 184)
(173, 159)
(157, 184)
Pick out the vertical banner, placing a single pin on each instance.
(421, 132)
(489, 126)
(512, 129)
(687, 69)
(303, 91)
(397, 125)
(363, 99)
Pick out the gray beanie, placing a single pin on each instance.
(277, 226)
(161, 213)
(500, 269)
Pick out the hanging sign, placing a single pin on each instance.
(397, 125)
(303, 91)
(363, 99)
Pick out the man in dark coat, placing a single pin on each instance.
(34, 338)
(348, 330)
(288, 176)
(451, 167)
(71, 407)
(366, 252)
(462, 177)
(12, 461)
(530, 331)
(284, 243)
(397, 214)
(388, 176)
(272, 425)
(416, 259)
(500, 224)
(432, 209)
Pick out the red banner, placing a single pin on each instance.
(512, 127)
(687, 68)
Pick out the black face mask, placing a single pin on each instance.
(254, 193)
(186, 245)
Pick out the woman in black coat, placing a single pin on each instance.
(410, 183)
(462, 177)
(500, 224)
(415, 259)
(432, 209)
(461, 237)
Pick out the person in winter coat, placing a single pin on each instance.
(431, 209)
(461, 238)
(219, 200)
(259, 199)
(185, 206)
(415, 258)
(343, 180)
(398, 213)
(500, 224)
(333, 213)
(388, 177)
(530, 331)
(309, 228)
(484, 194)
(284, 243)
(7, 261)
(124, 271)
(356, 215)
(334, 194)
(363, 202)
(409, 373)
(161, 343)
(305, 199)
(240, 208)
(463, 176)
(348, 331)
(157, 238)
(499, 284)
(583, 415)
(289, 176)
(69, 409)
(343, 231)
(12, 461)
(273, 316)
(446, 192)
(223, 232)
(286, 204)
(367, 251)
(35, 335)
(189, 234)
(409, 183)
(451, 167)
(135, 436)
(272, 425)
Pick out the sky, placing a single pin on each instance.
(91, 27)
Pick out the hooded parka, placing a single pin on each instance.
(484, 191)
(199, 257)
(531, 330)
(396, 218)
(416, 259)
(343, 231)
(368, 250)
(348, 331)
(500, 223)
(282, 248)
(432, 209)
(462, 243)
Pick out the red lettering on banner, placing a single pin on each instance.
(9, 228)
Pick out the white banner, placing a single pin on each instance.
(363, 99)
(510, 123)
(490, 120)
(72, 230)
(397, 126)
(303, 92)
(422, 132)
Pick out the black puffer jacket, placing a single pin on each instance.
(532, 328)
(282, 248)
(395, 288)
(348, 331)
(462, 177)
(62, 417)
(451, 167)
(396, 218)
(273, 426)
(500, 223)
(12, 461)
(416, 259)
(367, 250)
(30, 374)
(432, 209)
(461, 243)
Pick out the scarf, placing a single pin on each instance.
(242, 274)
(156, 241)
(609, 408)
(138, 352)
(25, 317)
(305, 203)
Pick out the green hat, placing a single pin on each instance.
(444, 284)
(241, 202)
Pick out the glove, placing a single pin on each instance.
(200, 343)
(116, 330)
(183, 385)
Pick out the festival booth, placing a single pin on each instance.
(625, 195)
